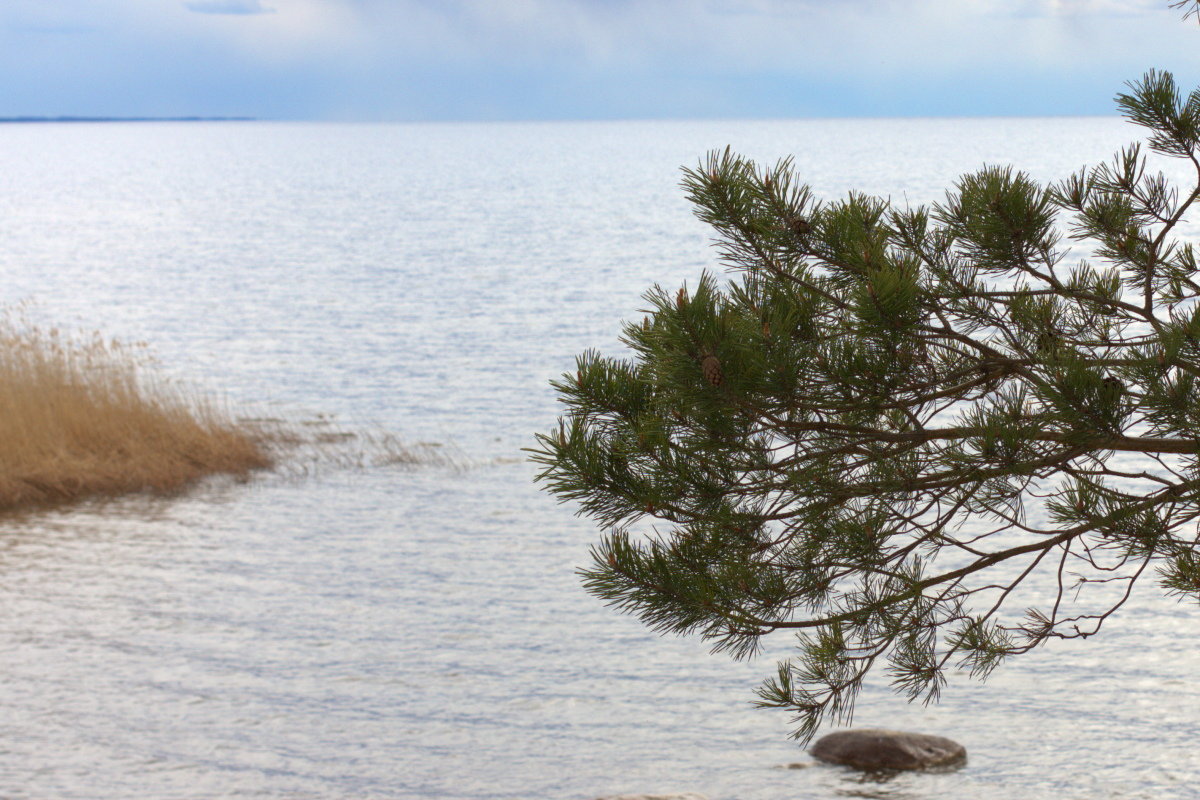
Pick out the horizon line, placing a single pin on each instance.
(71, 118)
(37, 119)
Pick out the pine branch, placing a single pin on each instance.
(835, 435)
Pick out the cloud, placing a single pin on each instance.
(53, 30)
(228, 7)
(1095, 9)
(883, 8)
(521, 59)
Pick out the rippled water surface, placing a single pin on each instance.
(393, 633)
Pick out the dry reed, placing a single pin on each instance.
(78, 418)
(313, 444)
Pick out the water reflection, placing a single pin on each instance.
(392, 633)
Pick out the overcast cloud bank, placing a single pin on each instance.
(553, 59)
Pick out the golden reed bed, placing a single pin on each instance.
(79, 418)
(86, 417)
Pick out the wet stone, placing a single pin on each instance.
(874, 749)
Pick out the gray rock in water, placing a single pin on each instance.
(875, 749)
(684, 796)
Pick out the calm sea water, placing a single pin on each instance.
(391, 633)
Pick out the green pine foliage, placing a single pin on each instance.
(888, 424)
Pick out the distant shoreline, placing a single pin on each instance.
(22, 120)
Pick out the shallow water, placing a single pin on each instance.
(394, 633)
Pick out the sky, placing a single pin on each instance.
(426, 60)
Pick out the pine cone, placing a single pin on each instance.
(992, 369)
(711, 368)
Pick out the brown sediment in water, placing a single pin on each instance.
(80, 418)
